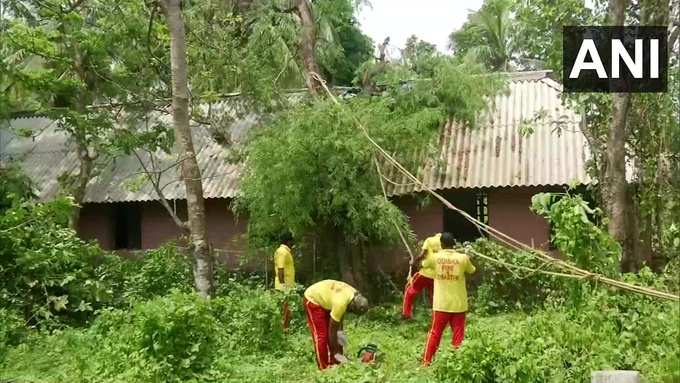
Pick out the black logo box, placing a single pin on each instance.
(589, 81)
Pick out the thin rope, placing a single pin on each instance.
(401, 234)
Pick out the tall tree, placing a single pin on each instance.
(538, 29)
(338, 197)
(191, 173)
(420, 55)
(303, 9)
(615, 176)
(62, 55)
(488, 35)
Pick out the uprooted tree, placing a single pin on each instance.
(312, 172)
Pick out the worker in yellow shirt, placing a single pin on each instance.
(450, 295)
(325, 304)
(284, 273)
(423, 279)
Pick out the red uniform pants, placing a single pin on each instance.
(318, 319)
(413, 288)
(439, 321)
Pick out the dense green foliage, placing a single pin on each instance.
(147, 326)
(575, 235)
(48, 272)
(14, 187)
(71, 312)
(292, 182)
(501, 289)
(512, 35)
(154, 274)
(238, 338)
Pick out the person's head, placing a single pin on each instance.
(447, 240)
(286, 238)
(358, 305)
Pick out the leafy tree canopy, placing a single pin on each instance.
(292, 181)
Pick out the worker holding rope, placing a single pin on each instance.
(450, 295)
(423, 278)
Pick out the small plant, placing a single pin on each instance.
(575, 235)
(167, 339)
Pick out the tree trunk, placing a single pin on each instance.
(615, 177)
(191, 173)
(86, 165)
(308, 44)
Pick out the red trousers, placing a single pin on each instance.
(286, 315)
(413, 288)
(318, 319)
(439, 321)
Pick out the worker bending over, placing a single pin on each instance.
(284, 273)
(424, 278)
(325, 304)
(450, 295)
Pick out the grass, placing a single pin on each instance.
(545, 346)
(66, 356)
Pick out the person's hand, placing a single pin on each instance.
(342, 338)
(341, 358)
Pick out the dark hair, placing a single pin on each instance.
(447, 240)
(286, 237)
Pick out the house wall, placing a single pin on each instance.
(157, 225)
(225, 231)
(96, 223)
(424, 220)
(509, 212)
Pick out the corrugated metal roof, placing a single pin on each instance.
(124, 179)
(495, 154)
(48, 154)
(498, 154)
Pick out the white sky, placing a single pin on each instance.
(430, 20)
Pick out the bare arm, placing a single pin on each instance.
(417, 261)
(333, 328)
(282, 278)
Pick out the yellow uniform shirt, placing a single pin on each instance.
(431, 246)
(450, 294)
(332, 295)
(283, 259)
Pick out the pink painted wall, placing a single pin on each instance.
(225, 231)
(157, 226)
(96, 224)
(509, 212)
(424, 220)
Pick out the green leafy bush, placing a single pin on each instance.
(12, 329)
(15, 187)
(254, 318)
(171, 338)
(48, 272)
(158, 272)
(499, 289)
(575, 235)
(609, 331)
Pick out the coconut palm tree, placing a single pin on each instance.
(487, 35)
